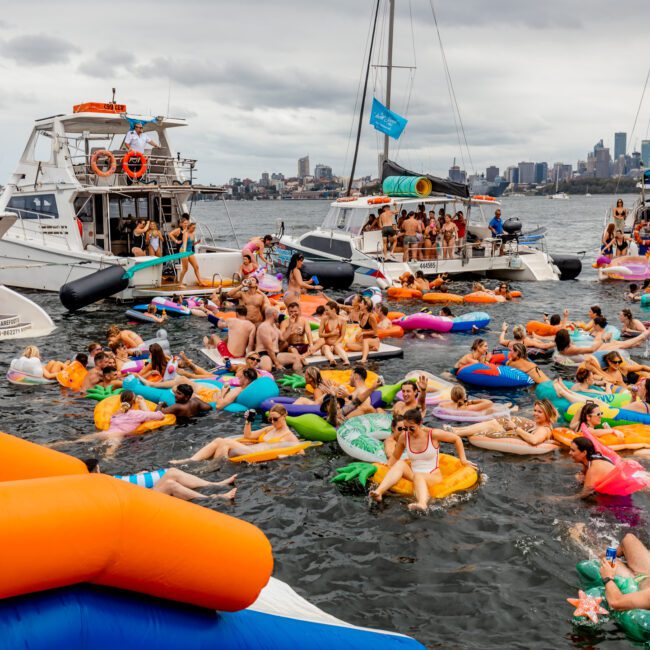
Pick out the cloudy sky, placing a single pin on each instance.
(263, 83)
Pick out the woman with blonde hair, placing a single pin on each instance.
(519, 336)
(461, 402)
(275, 436)
(30, 363)
(534, 432)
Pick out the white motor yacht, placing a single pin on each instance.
(70, 208)
(340, 239)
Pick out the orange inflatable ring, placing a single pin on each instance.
(105, 153)
(392, 332)
(378, 200)
(542, 329)
(403, 292)
(483, 296)
(73, 376)
(111, 405)
(635, 436)
(436, 283)
(481, 197)
(637, 233)
(442, 297)
(143, 164)
(394, 315)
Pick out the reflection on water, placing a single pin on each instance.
(486, 569)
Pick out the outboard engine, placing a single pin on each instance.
(569, 266)
(512, 226)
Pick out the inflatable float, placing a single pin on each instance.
(73, 376)
(636, 436)
(171, 308)
(634, 622)
(398, 293)
(439, 297)
(104, 571)
(483, 297)
(250, 397)
(542, 329)
(491, 376)
(361, 437)
(466, 415)
(424, 321)
(108, 407)
(312, 427)
(27, 372)
(141, 316)
(437, 389)
(512, 445)
(631, 268)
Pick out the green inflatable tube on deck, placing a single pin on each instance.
(407, 186)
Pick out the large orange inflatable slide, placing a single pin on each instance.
(92, 562)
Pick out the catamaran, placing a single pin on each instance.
(340, 237)
(71, 206)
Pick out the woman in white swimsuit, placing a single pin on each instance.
(422, 445)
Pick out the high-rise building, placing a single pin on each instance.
(636, 160)
(512, 175)
(603, 163)
(491, 173)
(541, 172)
(645, 153)
(526, 173)
(599, 145)
(457, 174)
(322, 172)
(620, 144)
(303, 167)
(265, 180)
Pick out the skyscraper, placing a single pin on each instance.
(541, 172)
(322, 172)
(645, 153)
(603, 161)
(303, 167)
(526, 173)
(620, 144)
(491, 173)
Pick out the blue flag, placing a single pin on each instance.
(384, 120)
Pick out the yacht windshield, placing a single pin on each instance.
(347, 219)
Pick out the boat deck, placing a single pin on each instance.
(384, 352)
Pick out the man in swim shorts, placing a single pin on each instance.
(411, 228)
(187, 404)
(295, 333)
(96, 375)
(240, 339)
(634, 563)
(387, 225)
(268, 347)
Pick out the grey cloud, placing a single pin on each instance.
(37, 49)
(250, 85)
(106, 63)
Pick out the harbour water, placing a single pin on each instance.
(486, 569)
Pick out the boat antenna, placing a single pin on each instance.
(113, 100)
(363, 102)
(389, 66)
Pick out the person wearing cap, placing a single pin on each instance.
(388, 232)
(496, 228)
(137, 140)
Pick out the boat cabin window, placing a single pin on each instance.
(348, 219)
(34, 206)
(43, 147)
(329, 245)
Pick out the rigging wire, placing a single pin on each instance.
(356, 99)
(363, 101)
(451, 89)
(411, 82)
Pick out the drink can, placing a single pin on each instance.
(610, 555)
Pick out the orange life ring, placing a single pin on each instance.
(346, 199)
(378, 200)
(481, 197)
(637, 234)
(143, 164)
(106, 154)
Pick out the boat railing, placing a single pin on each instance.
(40, 227)
(161, 170)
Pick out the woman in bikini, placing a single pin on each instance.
(275, 436)
(296, 286)
(461, 402)
(607, 242)
(248, 266)
(518, 358)
(189, 241)
(534, 432)
(422, 466)
(368, 338)
(621, 244)
(631, 326)
(449, 236)
(620, 214)
(478, 354)
(330, 334)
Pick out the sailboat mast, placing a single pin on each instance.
(389, 65)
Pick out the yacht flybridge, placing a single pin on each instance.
(340, 238)
(70, 208)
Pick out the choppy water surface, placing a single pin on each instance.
(487, 569)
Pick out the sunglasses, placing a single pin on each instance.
(617, 362)
(254, 359)
(412, 428)
(597, 415)
(401, 428)
(275, 419)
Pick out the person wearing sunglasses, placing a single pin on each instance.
(398, 427)
(590, 416)
(422, 463)
(275, 436)
(618, 370)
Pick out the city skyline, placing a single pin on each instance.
(254, 104)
